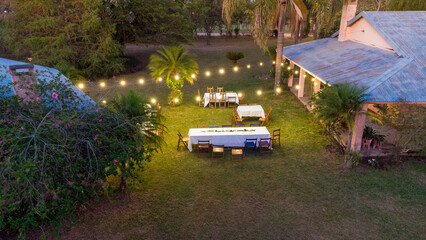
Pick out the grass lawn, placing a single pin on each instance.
(297, 192)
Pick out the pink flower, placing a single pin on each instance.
(9, 73)
(28, 85)
(73, 98)
(30, 59)
(38, 99)
(54, 95)
(95, 138)
(22, 128)
(44, 171)
(72, 228)
(139, 149)
(100, 120)
(122, 187)
(50, 127)
(1, 142)
(156, 150)
(48, 116)
(115, 161)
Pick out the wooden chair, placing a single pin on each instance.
(264, 145)
(201, 102)
(218, 150)
(237, 152)
(232, 102)
(210, 89)
(250, 144)
(227, 125)
(212, 100)
(253, 104)
(276, 136)
(236, 118)
(240, 125)
(254, 124)
(183, 140)
(202, 126)
(228, 91)
(242, 104)
(219, 89)
(213, 126)
(266, 119)
(203, 147)
(222, 99)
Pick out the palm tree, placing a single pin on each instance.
(262, 22)
(175, 65)
(337, 106)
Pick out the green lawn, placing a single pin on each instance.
(298, 192)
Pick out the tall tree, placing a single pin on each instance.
(205, 14)
(263, 21)
(69, 35)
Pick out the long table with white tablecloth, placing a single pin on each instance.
(230, 137)
(218, 95)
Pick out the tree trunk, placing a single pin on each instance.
(208, 38)
(297, 32)
(280, 44)
(349, 161)
(315, 28)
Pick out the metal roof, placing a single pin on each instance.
(387, 76)
(45, 73)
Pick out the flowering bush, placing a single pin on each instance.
(57, 150)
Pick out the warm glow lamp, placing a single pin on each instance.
(297, 86)
(235, 69)
(153, 100)
(208, 73)
(261, 64)
(248, 66)
(221, 71)
(123, 83)
(160, 79)
(102, 84)
(259, 92)
(80, 85)
(278, 90)
(141, 81)
(176, 100)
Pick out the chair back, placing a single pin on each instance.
(254, 124)
(202, 126)
(210, 89)
(219, 89)
(213, 126)
(203, 143)
(227, 125)
(276, 133)
(264, 142)
(229, 91)
(240, 125)
(250, 142)
(232, 99)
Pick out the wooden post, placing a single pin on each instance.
(317, 85)
(290, 79)
(301, 83)
(358, 130)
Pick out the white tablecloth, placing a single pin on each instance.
(251, 111)
(207, 97)
(230, 137)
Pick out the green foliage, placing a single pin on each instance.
(410, 122)
(205, 14)
(72, 36)
(406, 5)
(175, 94)
(369, 133)
(175, 65)
(149, 21)
(234, 56)
(272, 50)
(56, 153)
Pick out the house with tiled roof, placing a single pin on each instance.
(385, 52)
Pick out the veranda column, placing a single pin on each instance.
(317, 85)
(301, 83)
(290, 79)
(358, 130)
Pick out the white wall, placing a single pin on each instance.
(361, 31)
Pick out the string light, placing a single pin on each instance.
(259, 92)
(297, 86)
(304, 75)
(153, 100)
(296, 72)
(315, 83)
(80, 85)
(313, 79)
(160, 79)
(198, 98)
(235, 69)
(176, 100)
(123, 83)
(141, 81)
(208, 73)
(282, 64)
(273, 62)
(221, 71)
(278, 90)
(102, 84)
(289, 68)
(240, 94)
(193, 75)
(177, 77)
(261, 64)
(104, 101)
(248, 66)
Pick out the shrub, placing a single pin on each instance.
(234, 56)
(56, 153)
